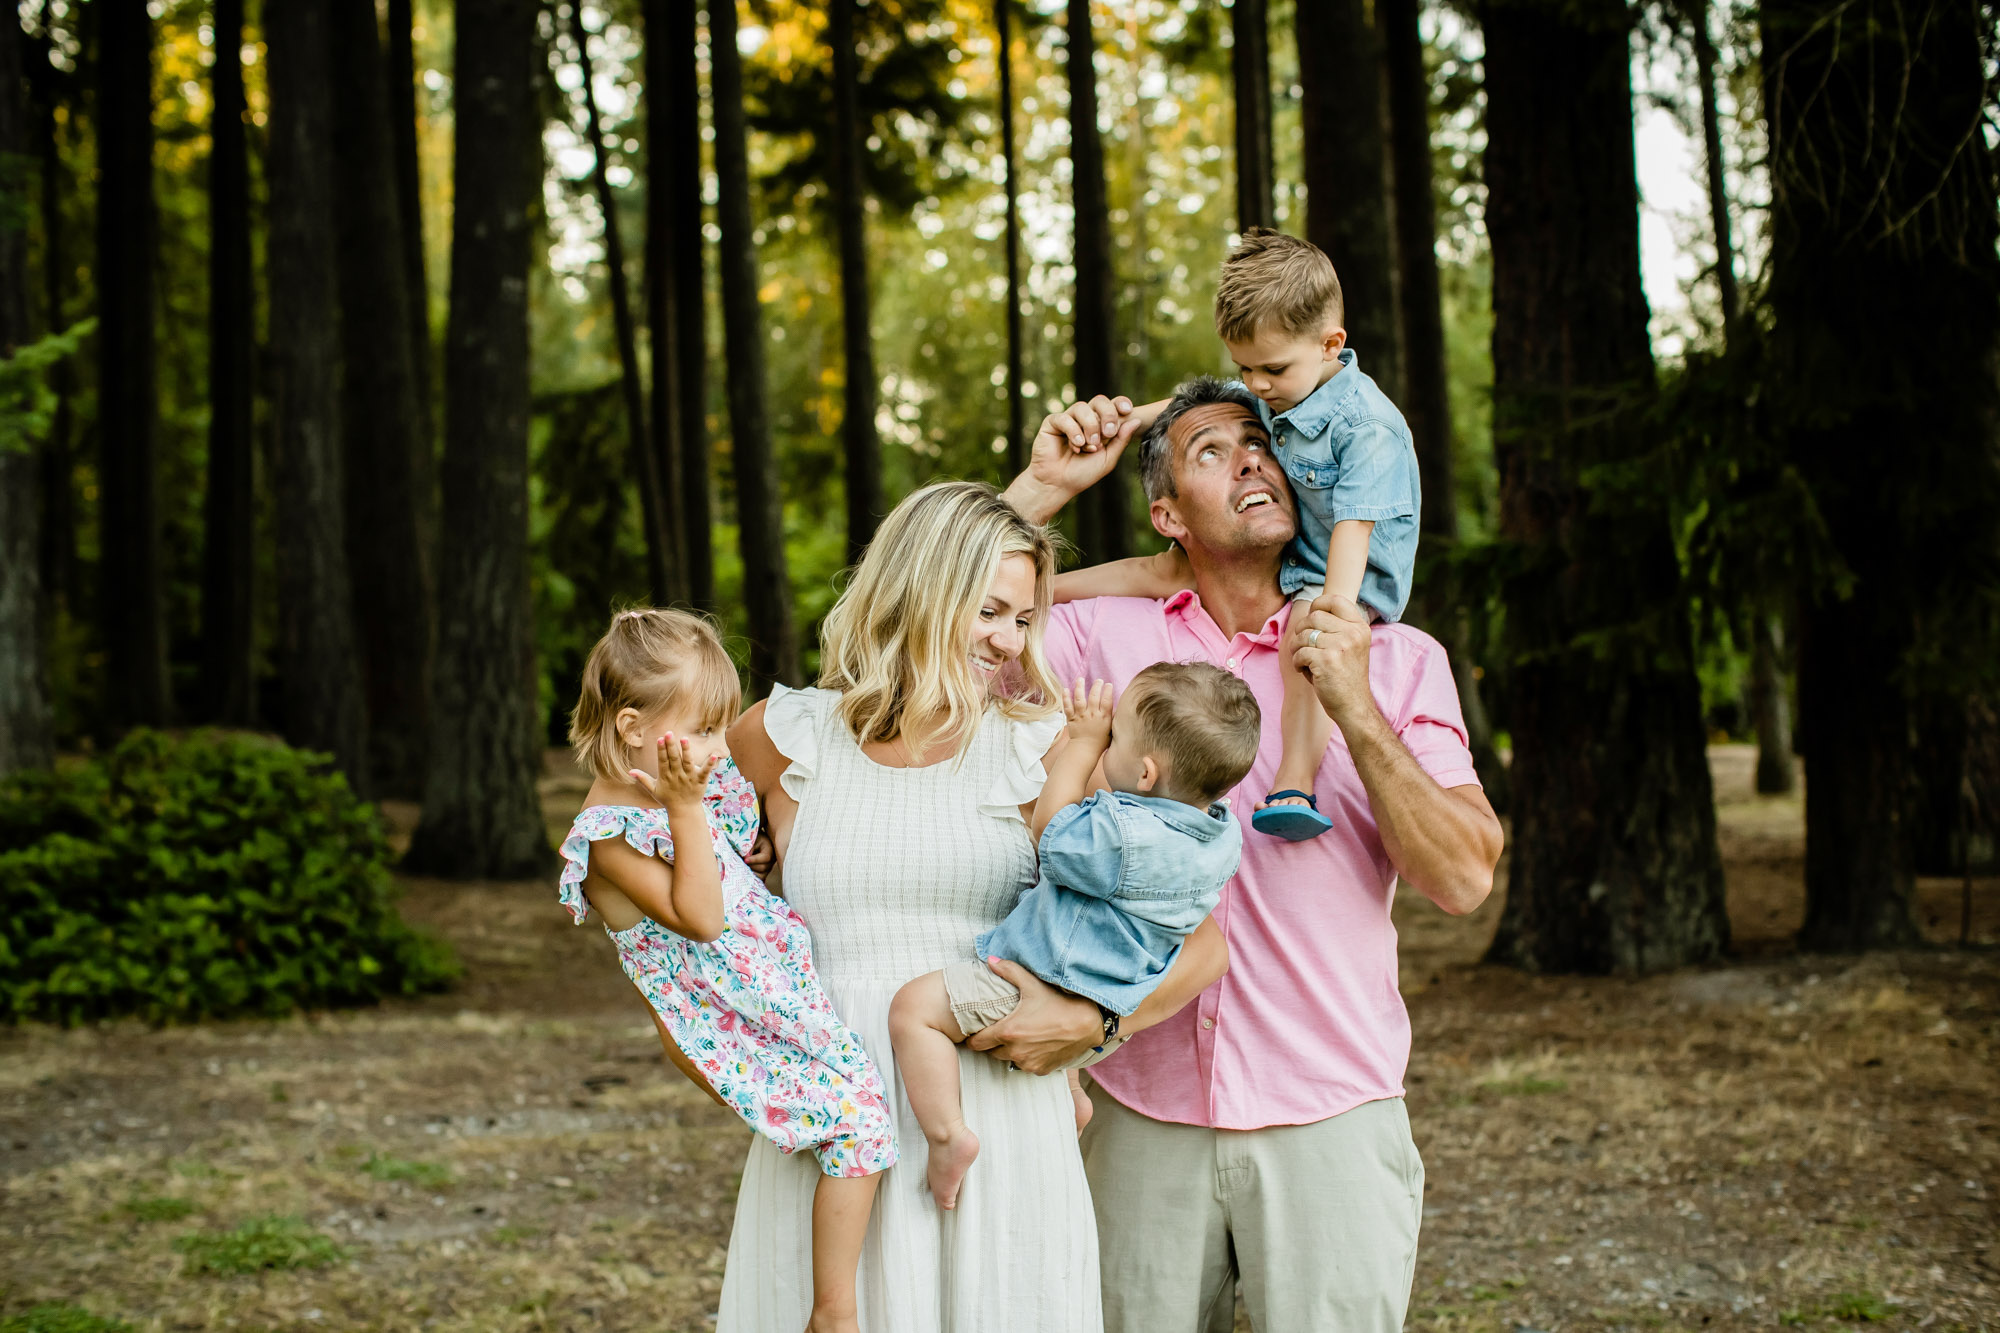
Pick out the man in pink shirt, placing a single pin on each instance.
(1258, 1137)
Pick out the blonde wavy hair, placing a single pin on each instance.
(648, 658)
(895, 646)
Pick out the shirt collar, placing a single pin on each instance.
(1186, 606)
(1312, 413)
(1204, 825)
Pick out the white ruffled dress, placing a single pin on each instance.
(897, 871)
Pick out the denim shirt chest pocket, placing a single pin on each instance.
(1308, 461)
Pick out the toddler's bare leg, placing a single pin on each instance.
(926, 1038)
(840, 1222)
(1307, 731)
(1084, 1109)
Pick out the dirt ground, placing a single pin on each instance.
(1788, 1140)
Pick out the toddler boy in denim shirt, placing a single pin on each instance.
(1126, 875)
(1348, 455)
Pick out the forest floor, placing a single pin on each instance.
(1786, 1140)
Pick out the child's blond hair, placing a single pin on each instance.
(649, 656)
(1272, 280)
(1203, 721)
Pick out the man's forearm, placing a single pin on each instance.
(1036, 501)
(1443, 843)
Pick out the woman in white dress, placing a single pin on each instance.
(897, 794)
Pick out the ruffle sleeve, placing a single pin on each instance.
(794, 719)
(646, 830)
(1022, 776)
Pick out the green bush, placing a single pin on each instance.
(195, 876)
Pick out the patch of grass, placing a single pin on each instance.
(1863, 1305)
(60, 1317)
(195, 1169)
(159, 1209)
(424, 1175)
(511, 1235)
(259, 1244)
(1525, 1086)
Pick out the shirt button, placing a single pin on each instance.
(1208, 1022)
(1232, 661)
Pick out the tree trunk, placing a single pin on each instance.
(663, 559)
(387, 450)
(229, 554)
(26, 736)
(319, 660)
(402, 94)
(1344, 126)
(1104, 519)
(132, 588)
(1883, 220)
(1425, 395)
(760, 512)
(1770, 706)
(1615, 865)
(1711, 137)
(61, 586)
(857, 423)
(1250, 62)
(1017, 439)
(675, 280)
(482, 817)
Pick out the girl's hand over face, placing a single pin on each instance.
(1089, 712)
(682, 781)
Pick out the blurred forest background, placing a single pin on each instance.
(362, 357)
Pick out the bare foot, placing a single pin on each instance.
(1296, 782)
(951, 1157)
(1084, 1110)
(834, 1321)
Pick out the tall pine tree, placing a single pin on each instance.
(482, 818)
(1615, 866)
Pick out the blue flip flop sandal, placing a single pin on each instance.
(1293, 823)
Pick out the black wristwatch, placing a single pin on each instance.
(1110, 1024)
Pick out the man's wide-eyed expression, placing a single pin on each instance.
(1232, 493)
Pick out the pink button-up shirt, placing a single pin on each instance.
(1308, 1023)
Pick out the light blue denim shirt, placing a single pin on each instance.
(1124, 879)
(1348, 454)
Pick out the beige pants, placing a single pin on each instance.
(1317, 1222)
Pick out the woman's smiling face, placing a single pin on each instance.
(1000, 630)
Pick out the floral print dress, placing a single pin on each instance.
(746, 1009)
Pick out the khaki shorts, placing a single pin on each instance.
(981, 997)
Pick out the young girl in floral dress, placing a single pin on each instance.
(725, 964)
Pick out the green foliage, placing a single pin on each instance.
(424, 1175)
(185, 877)
(61, 1317)
(27, 405)
(160, 1209)
(257, 1245)
(1863, 1305)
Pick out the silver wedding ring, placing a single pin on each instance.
(1312, 638)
